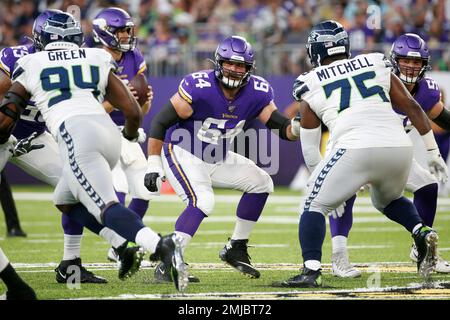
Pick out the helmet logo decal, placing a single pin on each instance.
(101, 23)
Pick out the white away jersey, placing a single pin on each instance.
(65, 83)
(351, 97)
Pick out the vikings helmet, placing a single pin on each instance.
(410, 46)
(38, 24)
(234, 49)
(327, 38)
(107, 22)
(61, 31)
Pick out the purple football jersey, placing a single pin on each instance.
(131, 64)
(427, 94)
(31, 119)
(210, 130)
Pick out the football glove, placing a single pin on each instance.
(141, 137)
(6, 150)
(24, 146)
(437, 165)
(154, 176)
(295, 126)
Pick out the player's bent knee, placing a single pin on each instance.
(64, 208)
(260, 183)
(206, 204)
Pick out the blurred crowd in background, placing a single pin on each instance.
(178, 36)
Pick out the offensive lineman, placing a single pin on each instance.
(210, 108)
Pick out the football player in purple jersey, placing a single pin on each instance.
(410, 58)
(43, 164)
(210, 108)
(114, 29)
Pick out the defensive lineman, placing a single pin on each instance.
(67, 83)
(367, 144)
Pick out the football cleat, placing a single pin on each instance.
(341, 266)
(16, 232)
(129, 261)
(162, 274)
(64, 274)
(426, 240)
(169, 252)
(24, 292)
(442, 266)
(235, 254)
(113, 253)
(307, 279)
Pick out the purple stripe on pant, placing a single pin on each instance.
(179, 174)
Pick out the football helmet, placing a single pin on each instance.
(410, 46)
(234, 49)
(38, 24)
(327, 38)
(106, 24)
(61, 31)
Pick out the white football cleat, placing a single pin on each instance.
(442, 266)
(341, 266)
(112, 255)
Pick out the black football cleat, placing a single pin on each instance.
(307, 279)
(169, 252)
(63, 275)
(236, 255)
(129, 261)
(16, 232)
(163, 274)
(24, 292)
(426, 240)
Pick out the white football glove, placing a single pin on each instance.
(437, 165)
(141, 138)
(338, 212)
(154, 176)
(6, 151)
(295, 126)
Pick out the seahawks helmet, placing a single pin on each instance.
(106, 24)
(410, 46)
(234, 49)
(38, 24)
(326, 39)
(61, 31)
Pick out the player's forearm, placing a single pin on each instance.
(282, 126)
(154, 147)
(443, 119)
(311, 147)
(417, 117)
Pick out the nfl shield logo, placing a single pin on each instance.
(231, 108)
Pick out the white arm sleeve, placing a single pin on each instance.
(310, 140)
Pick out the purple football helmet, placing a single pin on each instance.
(234, 49)
(410, 46)
(38, 24)
(106, 24)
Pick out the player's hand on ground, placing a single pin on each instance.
(338, 212)
(154, 176)
(437, 165)
(25, 145)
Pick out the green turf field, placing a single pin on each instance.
(379, 247)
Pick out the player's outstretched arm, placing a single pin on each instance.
(120, 96)
(310, 135)
(287, 129)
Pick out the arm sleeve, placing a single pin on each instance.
(163, 120)
(310, 140)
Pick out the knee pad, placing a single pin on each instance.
(205, 202)
(260, 182)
